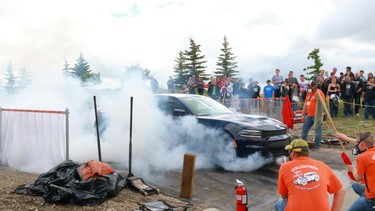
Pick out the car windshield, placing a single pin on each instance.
(201, 106)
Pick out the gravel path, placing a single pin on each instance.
(125, 200)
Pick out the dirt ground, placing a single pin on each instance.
(125, 200)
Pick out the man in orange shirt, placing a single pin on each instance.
(365, 170)
(303, 183)
(308, 114)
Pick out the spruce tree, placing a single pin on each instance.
(226, 65)
(24, 78)
(194, 61)
(67, 70)
(182, 72)
(137, 69)
(82, 71)
(10, 85)
(314, 55)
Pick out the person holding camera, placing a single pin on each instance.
(365, 170)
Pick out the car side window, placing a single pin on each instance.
(168, 105)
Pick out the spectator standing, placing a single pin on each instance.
(308, 114)
(244, 98)
(184, 89)
(192, 84)
(303, 87)
(347, 95)
(277, 81)
(333, 94)
(226, 91)
(365, 170)
(334, 70)
(361, 75)
(321, 75)
(255, 95)
(154, 84)
(329, 79)
(285, 89)
(358, 92)
(250, 88)
(213, 89)
(322, 85)
(369, 98)
(295, 95)
(170, 84)
(341, 78)
(369, 75)
(291, 79)
(303, 183)
(235, 96)
(349, 72)
(268, 92)
(200, 85)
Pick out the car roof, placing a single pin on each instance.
(181, 95)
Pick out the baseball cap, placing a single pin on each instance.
(313, 83)
(298, 145)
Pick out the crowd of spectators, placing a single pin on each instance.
(353, 90)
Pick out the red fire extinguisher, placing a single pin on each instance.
(241, 196)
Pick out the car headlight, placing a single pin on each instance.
(250, 133)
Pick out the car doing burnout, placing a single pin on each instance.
(250, 133)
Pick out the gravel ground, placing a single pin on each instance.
(125, 200)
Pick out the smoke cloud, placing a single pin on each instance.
(159, 142)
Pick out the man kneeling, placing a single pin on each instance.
(303, 182)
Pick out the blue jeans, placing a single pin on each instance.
(309, 122)
(281, 204)
(358, 188)
(362, 203)
(370, 108)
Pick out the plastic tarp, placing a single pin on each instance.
(63, 184)
(161, 206)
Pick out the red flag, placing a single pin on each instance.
(287, 113)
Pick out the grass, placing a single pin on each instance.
(347, 125)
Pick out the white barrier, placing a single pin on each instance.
(33, 140)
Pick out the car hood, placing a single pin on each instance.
(247, 120)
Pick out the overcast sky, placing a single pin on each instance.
(112, 35)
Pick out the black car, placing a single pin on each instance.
(250, 133)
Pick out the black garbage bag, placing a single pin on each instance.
(62, 184)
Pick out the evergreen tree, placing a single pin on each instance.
(24, 78)
(182, 73)
(137, 69)
(10, 85)
(226, 65)
(82, 71)
(314, 55)
(67, 70)
(194, 61)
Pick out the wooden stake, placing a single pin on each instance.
(187, 180)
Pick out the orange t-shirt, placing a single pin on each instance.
(310, 101)
(366, 164)
(306, 182)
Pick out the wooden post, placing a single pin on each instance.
(187, 179)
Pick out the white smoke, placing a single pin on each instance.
(159, 142)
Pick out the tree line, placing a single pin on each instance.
(188, 63)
